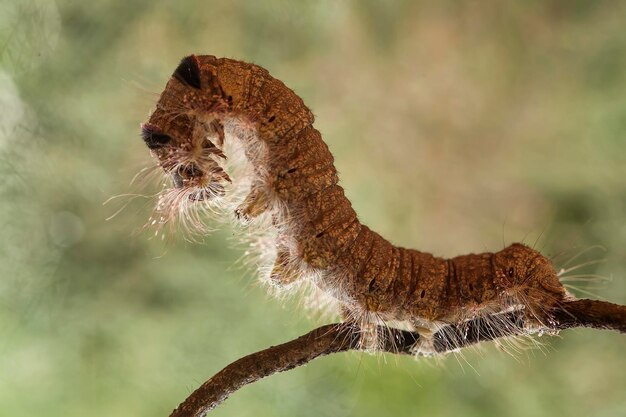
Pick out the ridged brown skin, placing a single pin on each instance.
(372, 275)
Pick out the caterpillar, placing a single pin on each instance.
(237, 143)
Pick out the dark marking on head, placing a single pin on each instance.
(154, 138)
(188, 71)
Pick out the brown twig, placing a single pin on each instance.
(340, 337)
(591, 313)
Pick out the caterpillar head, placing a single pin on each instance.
(185, 152)
(185, 136)
(528, 277)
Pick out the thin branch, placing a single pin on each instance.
(591, 313)
(340, 337)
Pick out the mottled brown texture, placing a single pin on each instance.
(376, 276)
(481, 296)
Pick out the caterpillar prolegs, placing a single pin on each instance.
(238, 143)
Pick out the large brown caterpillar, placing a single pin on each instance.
(237, 142)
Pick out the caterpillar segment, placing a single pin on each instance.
(210, 101)
(303, 166)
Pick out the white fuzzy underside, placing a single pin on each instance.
(246, 159)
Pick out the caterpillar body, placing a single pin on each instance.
(238, 143)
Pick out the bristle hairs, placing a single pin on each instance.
(246, 131)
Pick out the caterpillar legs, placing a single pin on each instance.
(283, 273)
(255, 204)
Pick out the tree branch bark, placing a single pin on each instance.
(340, 337)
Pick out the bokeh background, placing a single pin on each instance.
(457, 127)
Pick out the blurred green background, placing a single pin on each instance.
(457, 127)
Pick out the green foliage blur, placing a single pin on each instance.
(457, 127)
